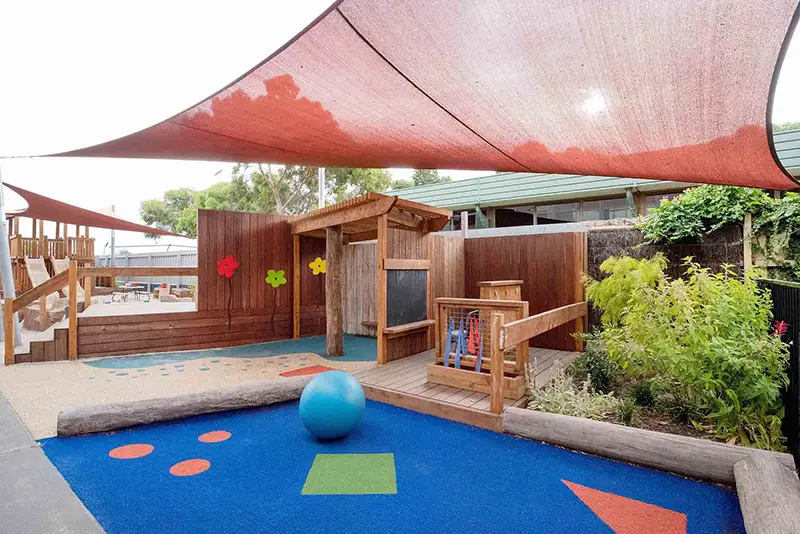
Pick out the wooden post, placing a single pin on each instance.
(581, 266)
(383, 234)
(523, 351)
(87, 291)
(334, 332)
(464, 224)
(428, 243)
(8, 327)
(747, 241)
(16, 225)
(58, 230)
(296, 287)
(496, 363)
(42, 313)
(73, 310)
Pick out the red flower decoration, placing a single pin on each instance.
(227, 265)
(780, 328)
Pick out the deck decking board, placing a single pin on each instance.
(409, 377)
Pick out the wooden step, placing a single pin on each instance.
(436, 408)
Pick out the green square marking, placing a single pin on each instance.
(351, 474)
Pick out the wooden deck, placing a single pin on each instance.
(404, 383)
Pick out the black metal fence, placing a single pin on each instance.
(786, 307)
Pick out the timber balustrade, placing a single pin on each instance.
(516, 333)
(69, 278)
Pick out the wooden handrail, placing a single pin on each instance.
(485, 303)
(136, 271)
(51, 286)
(525, 329)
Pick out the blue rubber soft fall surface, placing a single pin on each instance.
(450, 478)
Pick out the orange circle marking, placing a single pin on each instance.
(215, 436)
(129, 452)
(187, 468)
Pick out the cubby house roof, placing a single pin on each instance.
(680, 90)
(359, 217)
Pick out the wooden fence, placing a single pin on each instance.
(259, 243)
(550, 265)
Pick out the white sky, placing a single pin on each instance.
(66, 65)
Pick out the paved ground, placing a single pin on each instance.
(34, 497)
(39, 391)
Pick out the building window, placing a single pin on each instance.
(557, 213)
(652, 201)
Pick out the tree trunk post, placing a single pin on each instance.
(334, 339)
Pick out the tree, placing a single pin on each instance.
(402, 184)
(786, 126)
(428, 176)
(262, 188)
(348, 183)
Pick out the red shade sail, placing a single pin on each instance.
(676, 90)
(48, 209)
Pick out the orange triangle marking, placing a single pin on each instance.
(628, 516)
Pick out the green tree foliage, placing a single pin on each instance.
(428, 176)
(786, 126)
(708, 338)
(701, 210)
(263, 188)
(401, 184)
(349, 183)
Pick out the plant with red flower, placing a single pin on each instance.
(227, 265)
(780, 328)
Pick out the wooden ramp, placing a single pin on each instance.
(405, 383)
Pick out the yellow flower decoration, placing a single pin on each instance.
(318, 266)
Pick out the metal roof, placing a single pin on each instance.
(519, 188)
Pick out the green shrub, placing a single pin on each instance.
(680, 405)
(561, 396)
(644, 392)
(709, 335)
(594, 366)
(701, 210)
(626, 411)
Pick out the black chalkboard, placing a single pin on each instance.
(406, 296)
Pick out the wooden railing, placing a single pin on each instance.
(69, 278)
(80, 248)
(512, 334)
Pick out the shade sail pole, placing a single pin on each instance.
(321, 187)
(6, 272)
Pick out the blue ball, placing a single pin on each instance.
(332, 405)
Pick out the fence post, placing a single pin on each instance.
(497, 364)
(88, 283)
(464, 224)
(8, 327)
(42, 313)
(73, 310)
(747, 242)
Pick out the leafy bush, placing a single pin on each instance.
(708, 336)
(780, 225)
(561, 396)
(644, 392)
(701, 210)
(594, 366)
(680, 405)
(626, 411)
(626, 275)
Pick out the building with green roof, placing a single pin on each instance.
(519, 198)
